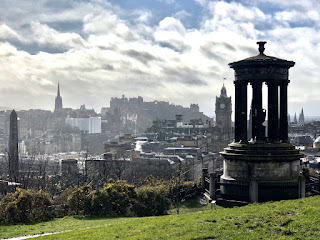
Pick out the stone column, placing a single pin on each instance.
(284, 111)
(204, 174)
(273, 108)
(212, 188)
(257, 110)
(253, 190)
(302, 186)
(241, 131)
(237, 117)
(244, 113)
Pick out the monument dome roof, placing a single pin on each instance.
(261, 58)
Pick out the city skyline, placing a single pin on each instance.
(167, 50)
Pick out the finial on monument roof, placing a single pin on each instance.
(261, 46)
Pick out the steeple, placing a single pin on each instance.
(295, 121)
(58, 101)
(58, 94)
(301, 117)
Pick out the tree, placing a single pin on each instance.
(178, 189)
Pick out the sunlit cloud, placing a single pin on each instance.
(101, 49)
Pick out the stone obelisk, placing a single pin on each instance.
(13, 148)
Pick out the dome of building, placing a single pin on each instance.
(316, 143)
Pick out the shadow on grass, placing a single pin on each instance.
(230, 203)
(79, 217)
(192, 203)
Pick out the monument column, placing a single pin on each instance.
(257, 112)
(284, 111)
(273, 108)
(237, 122)
(244, 112)
(241, 134)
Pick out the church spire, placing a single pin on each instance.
(301, 117)
(58, 101)
(58, 94)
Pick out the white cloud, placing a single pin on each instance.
(6, 33)
(44, 35)
(110, 54)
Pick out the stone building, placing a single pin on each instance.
(69, 172)
(194, 107)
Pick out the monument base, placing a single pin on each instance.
(261, 172)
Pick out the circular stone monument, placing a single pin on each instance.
(267, 167)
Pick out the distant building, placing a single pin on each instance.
(91, 125)
(58, 101)
(194, 107)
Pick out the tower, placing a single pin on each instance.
(223, 112)
(58, 101)
(13, 148)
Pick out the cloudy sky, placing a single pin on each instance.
(171, 50)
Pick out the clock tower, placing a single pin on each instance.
(223, 112)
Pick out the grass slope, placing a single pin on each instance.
(294, 219)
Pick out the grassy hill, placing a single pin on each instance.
(294, 219)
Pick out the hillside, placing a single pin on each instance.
(294, 219)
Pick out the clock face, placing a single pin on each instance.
(222, 106)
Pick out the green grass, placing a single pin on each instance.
(294, 219)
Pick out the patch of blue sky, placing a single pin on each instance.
(34, 48)
(67, 26)
(165, 8)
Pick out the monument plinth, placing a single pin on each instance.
(267, 167)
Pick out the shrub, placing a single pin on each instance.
(79, 200)
(151, 201)
(25, 206)
(119, 196)
(100, 205)
(115, 198)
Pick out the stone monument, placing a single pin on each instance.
(13, 148)
(267, 167)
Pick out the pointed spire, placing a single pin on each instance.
(58, 94)
(295, 118)
(301, 117)
(58, 101)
